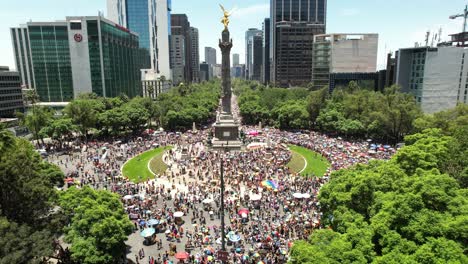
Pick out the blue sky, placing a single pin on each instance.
(400, 23)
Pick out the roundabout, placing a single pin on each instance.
(278, 204)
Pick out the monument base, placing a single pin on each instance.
(226, 134)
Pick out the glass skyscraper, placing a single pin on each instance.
(293, 26)
(81, 55)
(150, 19)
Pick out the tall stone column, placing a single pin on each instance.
(225, 44)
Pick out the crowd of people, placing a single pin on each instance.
(177, 215)
(267, 206)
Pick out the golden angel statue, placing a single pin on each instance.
(225, 19)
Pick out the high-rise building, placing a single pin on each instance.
(204, 71)
(294, 24)
(235, 59)
(255, 71)
(178, 59)
(266, 51)
(436, 77)
(181, 26)
(249, 56)
(11, 98)
(81, 55)
(343, 53)
(20, 38)
(210, 55)
(195, 55)
(150, 19)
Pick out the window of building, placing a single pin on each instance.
(75, 25)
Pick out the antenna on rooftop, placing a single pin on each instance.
(440, 35)
(428, 33)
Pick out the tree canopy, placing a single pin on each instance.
(26, 200)
(401, 211)
(350, 111)
(98, 225)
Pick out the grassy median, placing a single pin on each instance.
(316, 164)
(137, 170)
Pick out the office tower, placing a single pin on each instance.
(249, 40)
(150, 19)
(343, 53)
(293, 26)
(178, 59)
(235, 59)
(20, 38)
(11, 97)
(266, 51)
(436, 77)
(163, 20)
(210, 55)
(82, 55)
(181, 26)
(204, 71)
(255, 72)
(195, 55)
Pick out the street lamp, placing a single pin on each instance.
(223, 235)
(223, 255)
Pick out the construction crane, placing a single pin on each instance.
(464, 15)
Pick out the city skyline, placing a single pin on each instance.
(395, 32)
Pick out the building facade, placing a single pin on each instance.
(150, 19)
(210, 55)
(22, 50)
(180, 26)
(436, 77)
(257, 58)
(235, 59)
(294, 23)
(83, 55)
(163, 23)
(195, 54)
(343, 53)
(266, 51)
(249, 50)
(178, 59)
(11, 98)
(204, 72)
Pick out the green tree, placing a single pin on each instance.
(23, 244)
(84, 113)
(35, 120)
(98, 225)
(316, 102)
(59, 128)
(292, 115)
(26, 196)
(399, 211)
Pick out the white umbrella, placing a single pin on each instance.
(128, 197)
(207, 201)
(305, 195)
(297, 195)
(255, 197)
(178, 214)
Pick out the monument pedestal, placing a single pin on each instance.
(226, 134)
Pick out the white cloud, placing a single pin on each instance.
(254, 10)
(349, 12)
